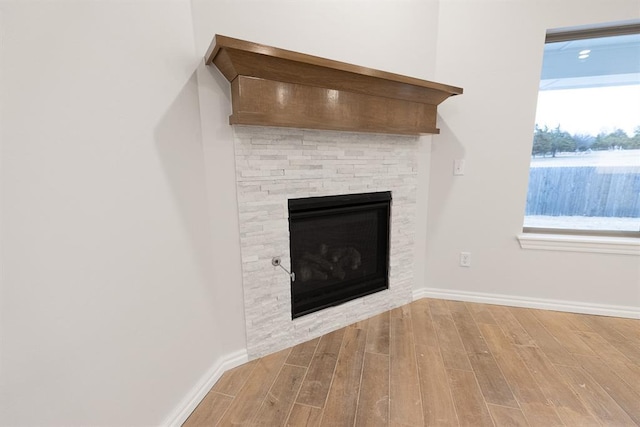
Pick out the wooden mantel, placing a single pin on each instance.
(277, 87)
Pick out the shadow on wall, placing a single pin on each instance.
(220, 167)
(218, 85)
(195, 147)
(179, 146)
(195, 144)
(445, 146)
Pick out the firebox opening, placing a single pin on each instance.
(339, 248)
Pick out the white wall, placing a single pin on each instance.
(112, 305)
(493, 49)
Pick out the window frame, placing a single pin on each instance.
(578, 240)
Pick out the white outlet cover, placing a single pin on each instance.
(465, 259)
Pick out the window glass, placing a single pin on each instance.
(585, 160)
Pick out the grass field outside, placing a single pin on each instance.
(589, 158)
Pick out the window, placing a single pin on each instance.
(585, 162)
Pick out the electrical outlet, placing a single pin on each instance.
(465, 259)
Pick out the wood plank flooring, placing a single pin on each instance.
(442, 363)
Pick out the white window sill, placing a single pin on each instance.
(571, 243)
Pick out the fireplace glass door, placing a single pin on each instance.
(339, 248)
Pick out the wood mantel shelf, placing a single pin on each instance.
(277, 87)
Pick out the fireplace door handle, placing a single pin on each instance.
(277, 262)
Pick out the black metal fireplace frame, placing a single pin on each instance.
(306, 298)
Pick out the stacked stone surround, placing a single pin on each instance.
(276, 164)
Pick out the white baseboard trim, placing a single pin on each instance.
(200, 390)
(541, 303)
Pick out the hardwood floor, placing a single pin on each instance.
(442, 363)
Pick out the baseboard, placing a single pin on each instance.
(541, 303)
(200, 390)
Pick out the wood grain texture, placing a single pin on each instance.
(510, 325)
(277, 87)
(625, 397)
(437, 402)
(302, 354)
(421, 317)
(249, 399)
(406, 402)
(320, 373)
(511, 417)
(554, 323)
(543, 339)
(382, 372)
(232, 381)
(492, 383)
(470, 405)
(304, 416)
(262, 60)
(618, 362)
(576, 322)
(481, 313)
(626, 327)
(378, 334)
(534, 404)
(274, 103)
(373, 403)
(453, 352)
(571, 410)
(596, 399)
(210, 410)
(280, 397)
(340, 408)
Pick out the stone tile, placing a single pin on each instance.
(276, 164)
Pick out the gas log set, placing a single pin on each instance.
(328, 262)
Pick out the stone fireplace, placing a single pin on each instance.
(370, 121)
(277, 165)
